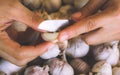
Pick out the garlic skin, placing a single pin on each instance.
(116, 71)
(78, 4)
(52, 5)
(36, 70)
(108, 52)
(102, 68)
(60, 67)
(8, 67)
(32, 4)
(63, 45)
(77, 48)
(79, 66)
(53, 52)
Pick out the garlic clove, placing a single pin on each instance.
(36, 70)
(60, 67)
(116, 71)
(19, 26)
(8, 67)
(49, 36)
(52, 5)
(102, 68)
(53, 52)
(63, 45)
(77, 48)
(79, 66)
(80, 3)
(32, 4)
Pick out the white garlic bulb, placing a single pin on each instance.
(8, 67)
(77, 47)
(80, 3)
(52, 5)
(51, 53)
(32, 4)
(60, 67)
(36, 70)
(102, 68)
(108, 52)
(116, 71)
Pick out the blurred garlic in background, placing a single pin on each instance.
(68, 1)
(8, 68)
(77, 48)
(36, 70)
(102, 68)
(108, 52)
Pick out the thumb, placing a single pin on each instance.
(91, 7)
(24, 15)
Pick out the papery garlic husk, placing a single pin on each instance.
(68, 2)
(80, 3)
(8, 67)
(79, 66)
(36, 70)
(52, 5)
(49, 36)
(102, 68)
(19, 26)
(77, 48)
(60, 67)
(108, 52)
(51, 53)
(32, 4)
(116, 71)
(63, 45)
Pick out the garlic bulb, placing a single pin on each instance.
(79, 66)
(108, 52)
(19, 26)
(80, 3)
(51, 53)
(8, 67)
(32, 4)
(52, 5)
(102, 68)
(77, 47)
(68, 1)
(60, 67)
(36, 70)
(116, 71)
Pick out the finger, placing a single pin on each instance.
(85, 25)
(91, 7)
(22, 14)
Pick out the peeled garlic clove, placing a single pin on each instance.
(79, 66)
(77, 47)
(63, 45)
(51, 53)
(80, 3)
(8, 67)
(19, 26)
(60, 67)
(32, 4)
(102, 68)
(68, 1)
(49, 36)
(36, 70)
(52, 5)
(116, 71)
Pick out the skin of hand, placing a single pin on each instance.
(95, 28)
(10, 50)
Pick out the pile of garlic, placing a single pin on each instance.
(71, 57)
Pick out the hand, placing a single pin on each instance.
(10, 50)
(99, 27)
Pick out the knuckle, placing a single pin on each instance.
(18, 55)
